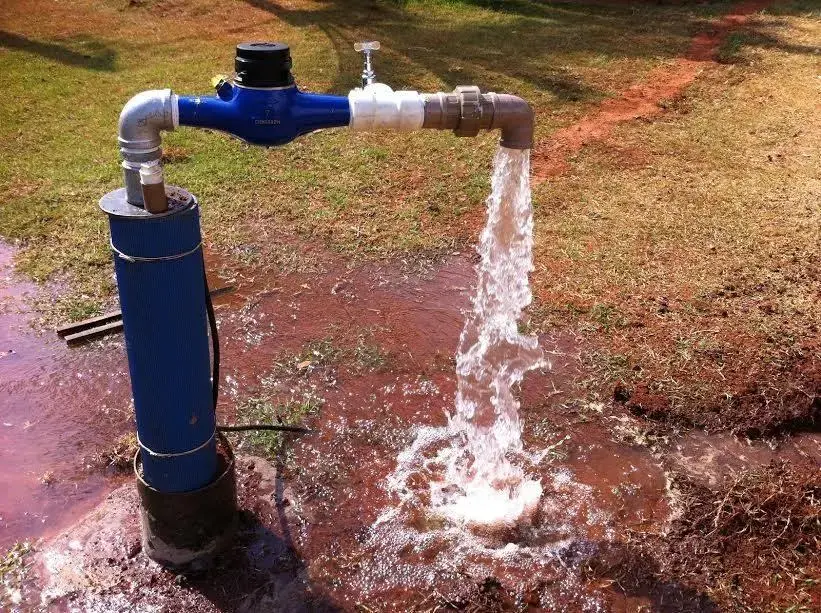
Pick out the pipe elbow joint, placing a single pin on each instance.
(142, 119)
(515, 119)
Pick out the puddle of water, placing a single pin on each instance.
(57, 405)
(595, 489)
(712, 458)
(60, 405)
(339, 475)
(414, 321)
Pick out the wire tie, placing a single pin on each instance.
(163, 258)
(157, 454)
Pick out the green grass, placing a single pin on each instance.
(360, 353)
(369, 356)
(119, 456)
(13, 569)
(262, 410)
(67, 77)
(321, 352)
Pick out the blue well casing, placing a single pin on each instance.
(161, 283)
(264, 116)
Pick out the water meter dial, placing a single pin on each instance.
(263, 65)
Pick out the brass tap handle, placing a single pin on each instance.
(367, 47)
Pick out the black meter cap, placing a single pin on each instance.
(263, 65)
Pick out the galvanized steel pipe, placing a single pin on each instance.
(141, 121)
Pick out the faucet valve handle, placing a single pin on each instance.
(367, 47)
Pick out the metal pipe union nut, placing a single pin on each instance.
(470, 110)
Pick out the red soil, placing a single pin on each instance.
(641, 100)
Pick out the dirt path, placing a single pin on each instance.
(642, 100)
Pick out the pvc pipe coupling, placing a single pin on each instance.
(466, 111)
(378, 107)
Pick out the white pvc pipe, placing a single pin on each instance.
(378, 107)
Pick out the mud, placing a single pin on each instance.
(58, 406)
(712, 459)
(296, 555)
(320, 528)
(643, 100)
(99, 566)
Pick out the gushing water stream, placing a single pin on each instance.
(475, 479)
(492, 358)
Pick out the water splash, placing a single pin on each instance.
(475, 477)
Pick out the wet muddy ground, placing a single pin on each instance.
(57, 406)
(369, 352)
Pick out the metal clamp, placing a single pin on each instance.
(470, 110)
(158, 454)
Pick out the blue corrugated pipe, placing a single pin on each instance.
(161, 281)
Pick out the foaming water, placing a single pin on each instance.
(477, 479)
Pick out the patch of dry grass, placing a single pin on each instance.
(756, 543)
(14, 565)
(363, 195)
(691, 246)
(750, 544)
(118, 458)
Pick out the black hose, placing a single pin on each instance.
(279, 427)
(215, 343)
(215, 374)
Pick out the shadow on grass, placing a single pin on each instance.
(95, 55)
(736, 42)
(527, 41)
(635, 574)
(537, 43)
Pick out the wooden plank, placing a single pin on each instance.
(216, 293)
(91, 322)
(73, 329)
(89, 334)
